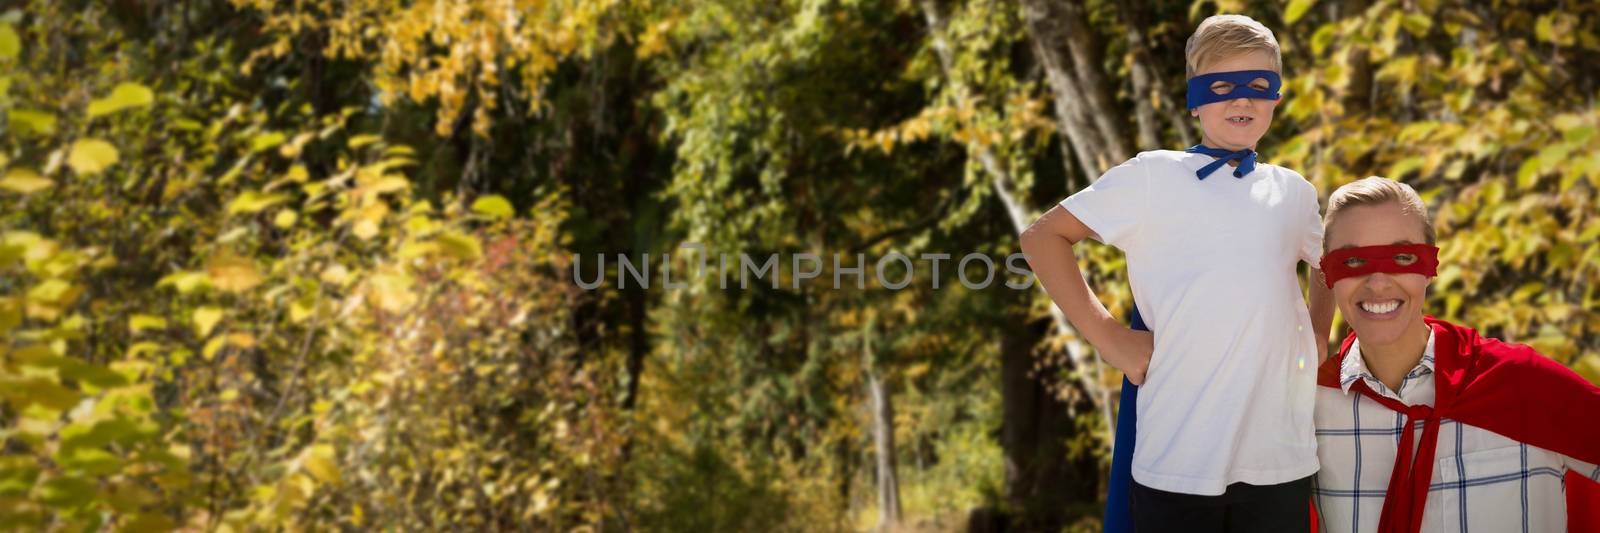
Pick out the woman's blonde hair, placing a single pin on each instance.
(1376, 190)
(1222, 36)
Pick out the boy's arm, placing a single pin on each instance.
(1047, 245)
(1321, 305)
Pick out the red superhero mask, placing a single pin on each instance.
(1389, 259)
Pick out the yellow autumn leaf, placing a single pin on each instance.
(320, 461)
(365, 229)
(266, 141)
(253, 202)
(10, 45)
(138, 323)
(24, 181)
(124, 96)
(91, 156)
(32, 121)
(494, 206)
(392, 292)
(185, 282)
(232, 273)
(460, 245)
(285, 219)
(206, 318)
(336, 275)
(242, 340)
(1588, 366)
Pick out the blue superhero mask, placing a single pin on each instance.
(1200, 92)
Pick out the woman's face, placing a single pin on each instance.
(1381, 307)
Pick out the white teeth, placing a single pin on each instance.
(1239, 119)
(1380, 308)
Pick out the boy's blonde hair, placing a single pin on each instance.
(1222, 36)
(1375, 190)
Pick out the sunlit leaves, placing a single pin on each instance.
(1500, 152)
(24, 181)
(461, 246)
(32, 121)
(138, 323)
(91, 156)
(1296, 9)
(124, 96)
(455, 52)
(251, 202)
(494, 206)
(320, 462)
(185, 282)
(266, 141)
(233, 273)
(10, 45)
(205, 319)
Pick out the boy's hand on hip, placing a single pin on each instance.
(1130, 351)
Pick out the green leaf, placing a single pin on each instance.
(10, 44)
(91, 156)
(1588, 366)
(266, 141)
(91, 461)
(33, 121)
(363, 140)
(66, 492)
(50, 291)
(494, 206)
(1417, 24)
(251, 202)
(185, 282)
(138, 323)
(24, 181)
(149, 523)
(124, 96)
(1322, 38)
(459, 245)
(38, 391)
(1403, 166)
(1296, 9)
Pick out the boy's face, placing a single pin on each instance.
(1239, 123)
(1381, 307)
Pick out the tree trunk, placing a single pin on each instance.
(882, 436)
(1086, 113)
(1152, 102)
(1086, 370)
(1042, 475)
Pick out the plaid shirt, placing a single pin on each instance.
(1482, 482)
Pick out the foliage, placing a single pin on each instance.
(1495, 126)
(306, 265)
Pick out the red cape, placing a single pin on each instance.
(1505, 388)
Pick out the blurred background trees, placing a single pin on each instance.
(310, 265)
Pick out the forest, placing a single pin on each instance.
(322, 265)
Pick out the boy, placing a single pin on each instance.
(1212, 240)
(1496, 427)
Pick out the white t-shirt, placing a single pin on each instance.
(1232, 384)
